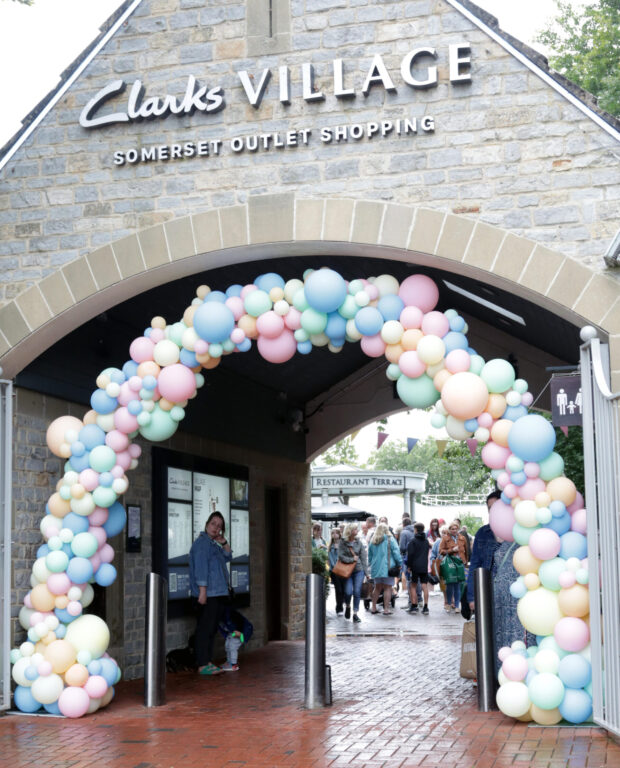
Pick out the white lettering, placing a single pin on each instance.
(456, 60)
(339, 90)
(307, 79)
(255, 96)
(378, 74)
(407, 66)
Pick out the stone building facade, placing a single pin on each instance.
(414, 131)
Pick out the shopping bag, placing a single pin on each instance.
(452, 569)
(468, 650)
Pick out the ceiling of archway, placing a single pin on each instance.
(69, 368)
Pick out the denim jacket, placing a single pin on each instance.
(207, 567)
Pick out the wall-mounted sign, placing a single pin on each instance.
(566, 401)
(361, 482)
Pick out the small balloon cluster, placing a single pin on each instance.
(64, 666)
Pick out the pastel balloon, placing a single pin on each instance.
(573, 544)
(575, 601)
(531, 488)
(546, 690)
(325, 290)
(89, 633)
(411, 365)
(545, 716)
(56, 435)
(95, 686)
(177, 383)
(77, 675)
(544, 544)
(417, 393)
(214, 321)
(464, 395)
(278, 350)
(73, 701)
(525, 513)
(373, 346)
(411, 317)
(576, 706)
(498, 375)
(61, 654)
(575, 671)
(513, 699)
(550, 571)
(496, 405)
(458, 361)
(502, 519)
(578, 521)
(579, 503)
(571, 634)
(515, 667)
(431, 349)
(525, 562)
(494, 455)
(539, 611)
(419, 291)
(435, 323)
(547, 660)
(532, 438)
(562, 489)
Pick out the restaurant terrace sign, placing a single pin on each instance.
(363, 482)
(417, 71)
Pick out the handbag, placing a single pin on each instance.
(395, 569)
(468, 651)
(452, 569)
(344, 570)
(432, 579)
(367, 588)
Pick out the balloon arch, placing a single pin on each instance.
(63, 666)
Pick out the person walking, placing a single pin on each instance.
(453, 544)
(352, 549)
(417, 563)
(337, 581)
(435, 565)
(383, 554)
(318, 542)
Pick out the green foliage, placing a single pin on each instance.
(343, 452)
(319, 566)
(586, 45)
(471, 522)
(570, 449)
(457, 472)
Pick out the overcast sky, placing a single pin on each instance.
(37, 42)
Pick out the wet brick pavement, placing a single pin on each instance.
(398, 701)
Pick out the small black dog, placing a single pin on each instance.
(181, 659)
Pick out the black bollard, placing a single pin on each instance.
(315, 642)
(485, 654)
(155, 641)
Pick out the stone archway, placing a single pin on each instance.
(287, 225)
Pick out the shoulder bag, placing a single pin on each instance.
(344, 570)
(395, 569)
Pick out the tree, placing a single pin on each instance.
(586, 46)
(342, 452)
(457, 472)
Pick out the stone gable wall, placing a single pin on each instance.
(507, 149)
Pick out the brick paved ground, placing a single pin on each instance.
(398, 701)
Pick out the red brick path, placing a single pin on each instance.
(398, 701)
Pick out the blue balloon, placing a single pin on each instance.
(245, 345)
(576, 706)
(518, 478)
(455, 340)
(530, 676)
(188, 358)
(457, 324)
(115, 374)
(75, 523)
(518, 589)
(108, 670)
(24, 700)
(94, 668)
(575, 671)
(135, 406)
(63, 615)
(102, 403)
(80, 570)
(42, 551)
(557, 508)
(216, 296)
(80, 463)
(77, 448)
(514, 412)
(130, 369)
(560, 525)
(390, 306)
(214, 322)
(505, 499)
(532, 437)
(60, 631)
(573, 544)
(325, 290)
(105, 575)
(234, 290)
(66, 548)
(369, 321)
(471, 425)
(304, 347)
(336, 326)
(31, 673)
(149, 382)
(268, 281)
(52, 709)
(106, 479)
(117, 517)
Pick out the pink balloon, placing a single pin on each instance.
(73, 701)
(123, 459)
(237, 336)
(411, 317)
(201, 347)
(248, 289)
(419, 291)
(515, 667)
(458, 361)
(292, 319)
(527, 398)
(372, 291)
(135, 383)
(578, 521)
(571, 634)
(106, 553)
(373, 346)
(485, 419)
(36, 618)
(28, 601)
(126, 395)
(135, 451)
(531, 488)
(494, 455)
(99, 533)
(235, 304)
(410, 364)
(98, 516)
(502, 520)
(176, 383)
(544, 544)
(141, 349)
(157, 334)
(44, 668)
(579, 503)
(511, 491)
(567, 579)
(95, 686)
(503, 480)
(504, 652)
(125, 421)
(95, 561)
(531, 469)
(270, 324)
(117, 471)
(117, 441)
(437, 324)
(278, 350)
(74, 608)
(58, 583)
(89, 479)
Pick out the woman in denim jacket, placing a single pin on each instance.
(208, 578)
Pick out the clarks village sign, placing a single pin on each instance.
(417, 71)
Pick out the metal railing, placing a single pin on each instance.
(601, 448)
(6, 432)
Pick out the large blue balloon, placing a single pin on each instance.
(325, 290)
(75, 523)
(576, 706)
(24, 700)
(455, 340)
(214, 322)
(336, 326)
(390, 306)
(560, 525)
(102, 403)
(105, 574)
(216, 296)
(532, 438)
(268, 281)
(573, 544)
(369, 321)
(80, 570)
(91, 436)
(575, 671)
(117, 517)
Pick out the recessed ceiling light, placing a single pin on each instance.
(483, 302)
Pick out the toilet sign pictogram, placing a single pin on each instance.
(566, 401)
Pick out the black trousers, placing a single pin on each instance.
(207, 619)
(338, 583)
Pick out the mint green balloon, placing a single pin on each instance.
(348, 308)
(56, 561)
(143, 418)
(161, 427)
(393, 372)
(549, 573)
(543, 515)
(215, 350)
(552, 466)
(84, 544)
(257, 302)
(228, 345)
(177, 413)
(417, 393)
(299, 300)
(175, 333)
(102, 458)
(520, 386)
(546, 690)
(104, 497)
(355, 286)
(313, 322)
(498, 375)
(521, 534)
(301, 335)
(476, 364)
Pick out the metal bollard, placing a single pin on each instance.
(485, 655)
(155, 642)
(315, 642)
(328, 685)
